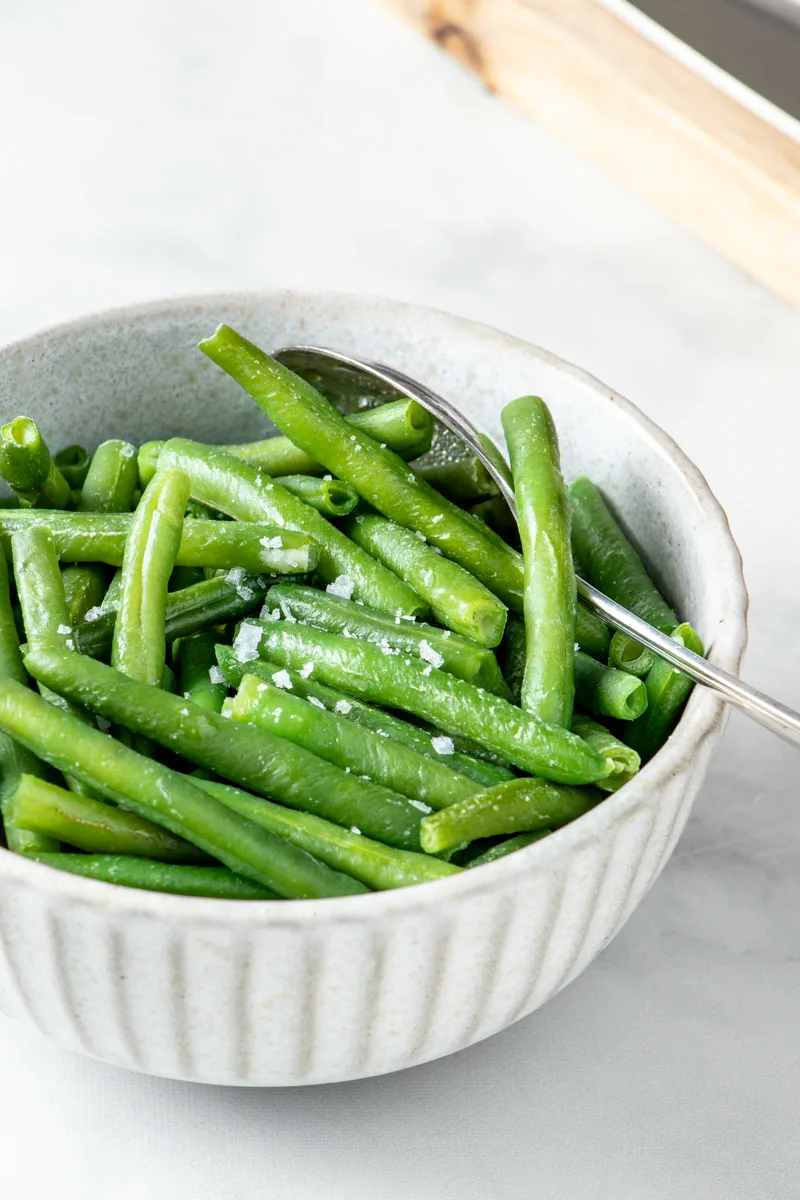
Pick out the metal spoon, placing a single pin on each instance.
(321, 366)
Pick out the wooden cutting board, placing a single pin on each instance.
(647, 109)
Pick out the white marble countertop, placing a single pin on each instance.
(154, 149)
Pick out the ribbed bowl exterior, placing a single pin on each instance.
(312, 992)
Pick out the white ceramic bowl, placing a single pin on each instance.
(317, 991)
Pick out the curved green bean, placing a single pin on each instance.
(548, 685)
(27, 467)
(199, 677)
(84, 589)
(374, 864)
(506, 847)
(452, 704)
(274, 707)
(610, 561)
(591, 632)
(463, 481)
(233, 486)
(520, 806)
(152, 790)
(606, 691)
(218, 883)
(457, 600)
(92, 825)
(668, 689)
(496, 514)
(377, 473)
(247, 756)
(459, 655)
(73, 463)
(626, 761)
(383, 723)
(625, 654)
(111, 480)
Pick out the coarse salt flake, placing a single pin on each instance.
(341, 586)
(430, 655)
(281, 679)
(317, 703)
(272, 543)
(215, 675)
(306, 670)
(247, 642)
(64, 629)
(342, 706)
(443, 745)
(354, 829)
(93, 614)
(236, 576)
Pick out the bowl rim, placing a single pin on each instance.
(702, 720)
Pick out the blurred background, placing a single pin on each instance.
(158, 148)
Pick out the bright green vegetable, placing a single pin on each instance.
(591, 632)
(383, 723)
(668, 689)
(93, 825)
(349, 746)
(403, 425)
(215, 882)
(548, 685)
(223, 545)
(495, 513)
(452, 704)
(459, 655)
(111, 480)
(202, 604)
(27, 468)
(520, 806)
(84, 589)
(626, 761)
(139, 645)
(14, 759)
(73, 463)
(244, 492)
(496, 458)
(199, 678)
(609, 559)
(377, 473)
(457, 600)
(331, 497)
(607, 692)
(376, 865)
(463, 481)
(152, 790)
(249, 757)
(508, 846)
(625, 654)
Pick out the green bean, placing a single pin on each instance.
(379, 475)
(349, 746)
(331, 497)
(354, 710)
(591, 632)
(452, 704)
(463, 481)
(27, 468)
(14, 759)
(139, 645)
(215, 882)
(193, 608)
(403, 425)
(378, 866)
(626, 761)
(111, 480)
(73, 463)
(606, 691)
(459, 655)
(609, 559)
(507, 846)
(244, 492)
(92, 825)
(247, 756)
(495, 513)
(520, 806)
(668, 689)
(183, 577)
(152, 790)
(513, 654)
(84, 589)
(222, 545)
(548, 685)
(496, 458)
(456, 598)
(199, 678)
(625, 654)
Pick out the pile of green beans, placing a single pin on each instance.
(287, 669)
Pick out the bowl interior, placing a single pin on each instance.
(137, 374)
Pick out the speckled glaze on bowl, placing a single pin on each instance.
(311, 992)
